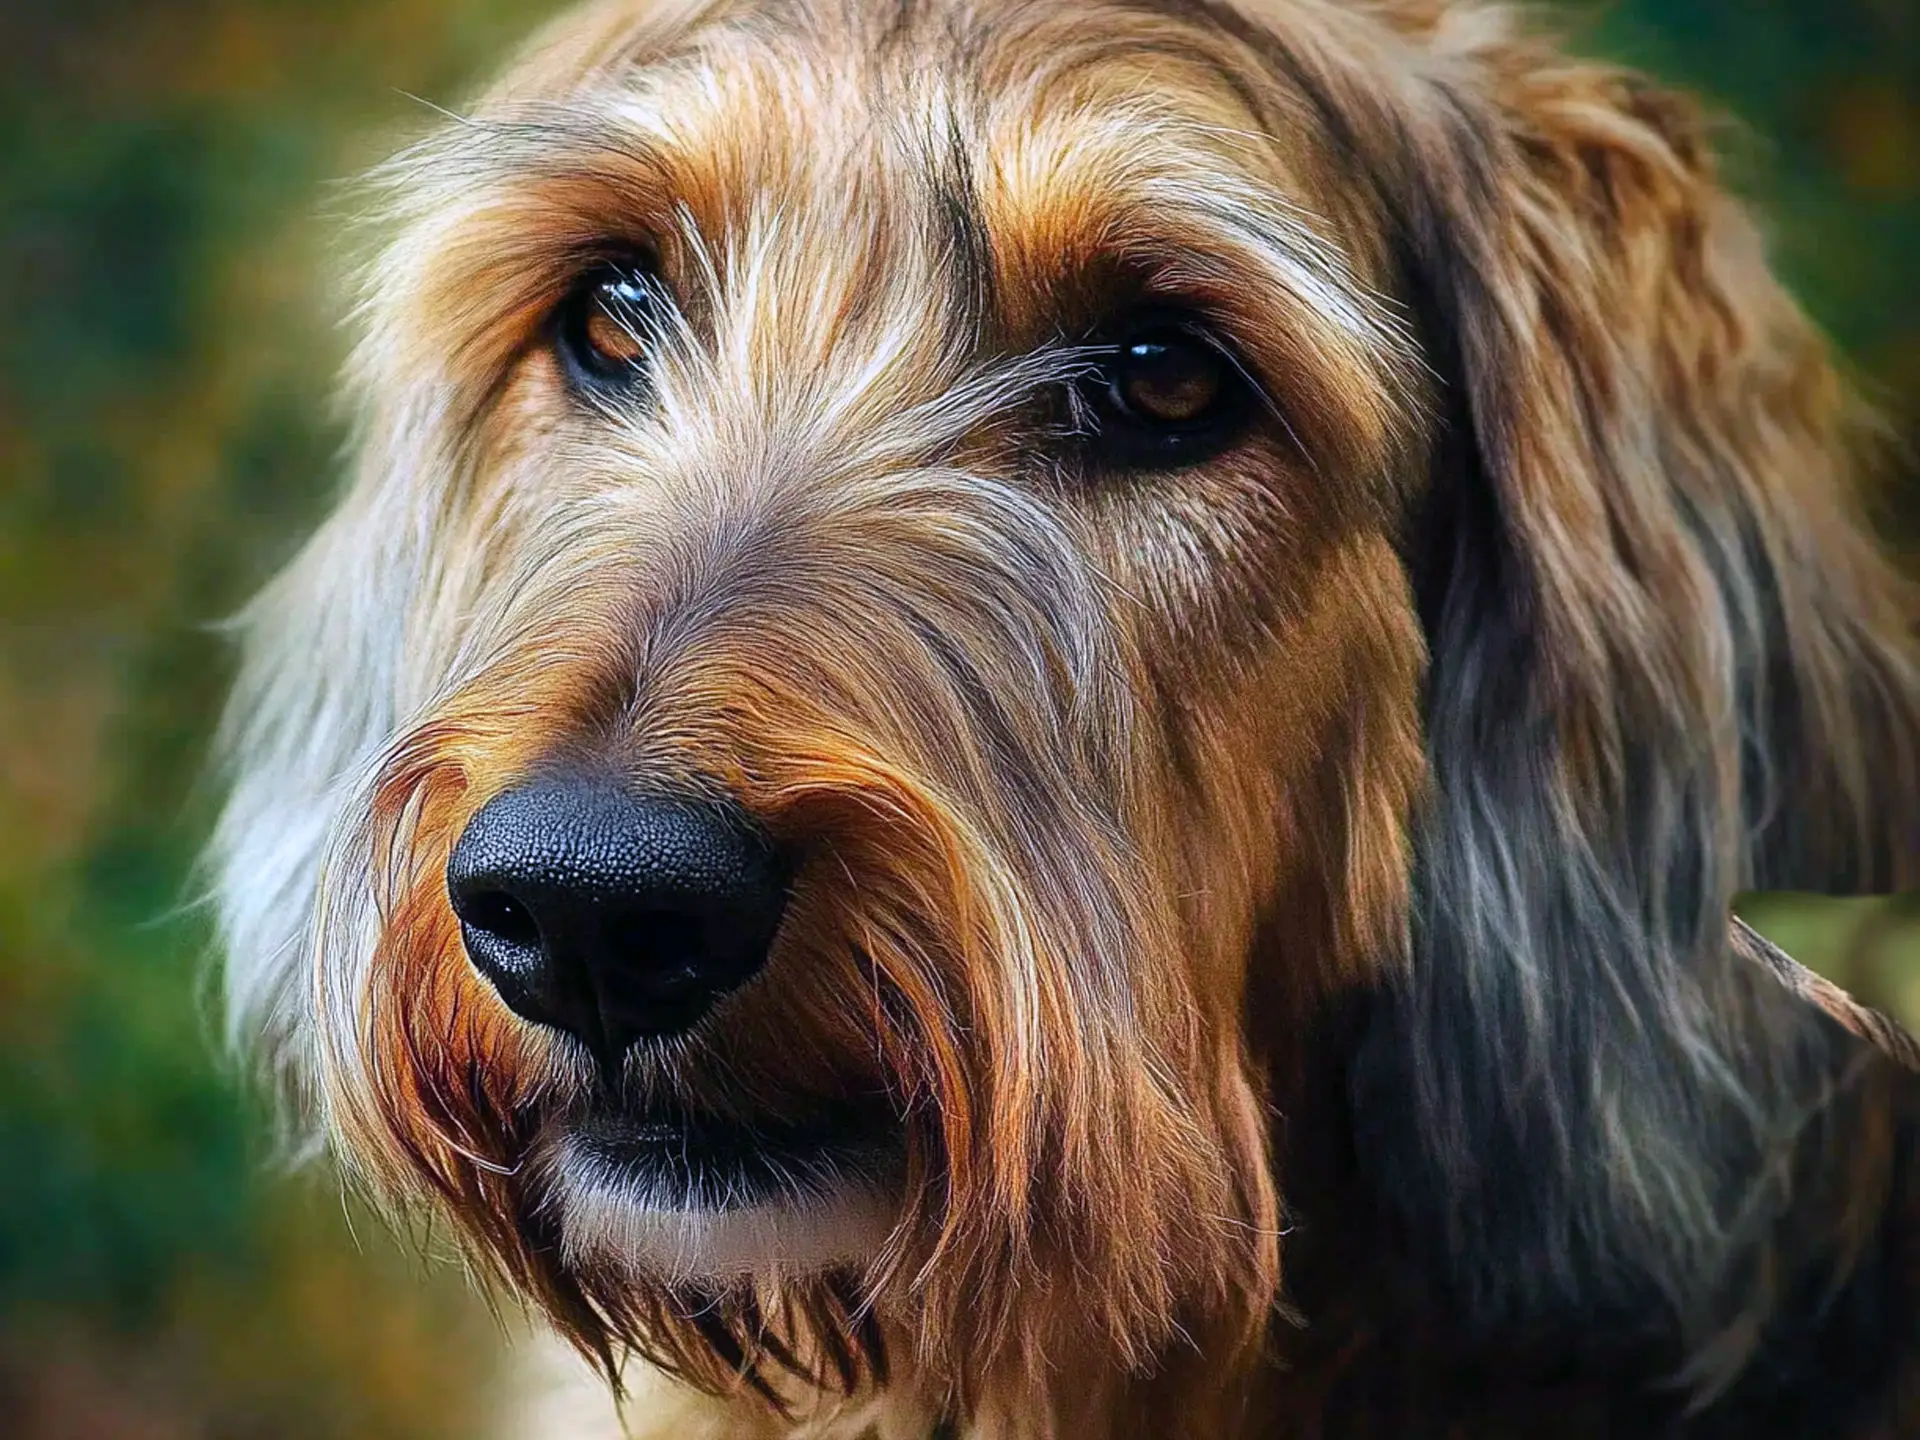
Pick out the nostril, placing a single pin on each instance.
(502, 917)
(507, 944)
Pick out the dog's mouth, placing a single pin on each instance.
(680, 1194)
(682, 1160)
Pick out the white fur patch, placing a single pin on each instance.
(609, 1215)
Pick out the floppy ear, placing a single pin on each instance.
(1665, 666)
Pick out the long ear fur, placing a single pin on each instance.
(1666, 666)
(312, 707)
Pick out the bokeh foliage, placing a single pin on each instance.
(166, 203)
(164, 436)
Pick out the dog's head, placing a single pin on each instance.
(927, 585)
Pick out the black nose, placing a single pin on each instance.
(610, 914)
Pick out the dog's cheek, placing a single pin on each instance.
(1295, 759)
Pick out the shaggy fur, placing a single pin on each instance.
(1278, 905)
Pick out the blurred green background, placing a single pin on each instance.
(166, 193)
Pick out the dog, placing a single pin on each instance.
(1037, 719)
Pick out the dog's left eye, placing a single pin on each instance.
(1166, 394)
(607, 326)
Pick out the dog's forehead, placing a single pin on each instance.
(1048, 121)
(865, 61)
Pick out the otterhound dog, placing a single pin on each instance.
(1034, 718)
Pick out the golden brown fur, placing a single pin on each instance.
(1282, 900)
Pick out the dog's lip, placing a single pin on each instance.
(681, 1159)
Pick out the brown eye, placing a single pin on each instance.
(1169, 378)
(1167, 394)
(608, 326)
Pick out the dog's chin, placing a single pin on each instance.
(678, 1197)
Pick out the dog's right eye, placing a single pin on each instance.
(1160, 393)
(608, 326)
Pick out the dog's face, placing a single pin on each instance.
(909, 511)
(880, 621)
